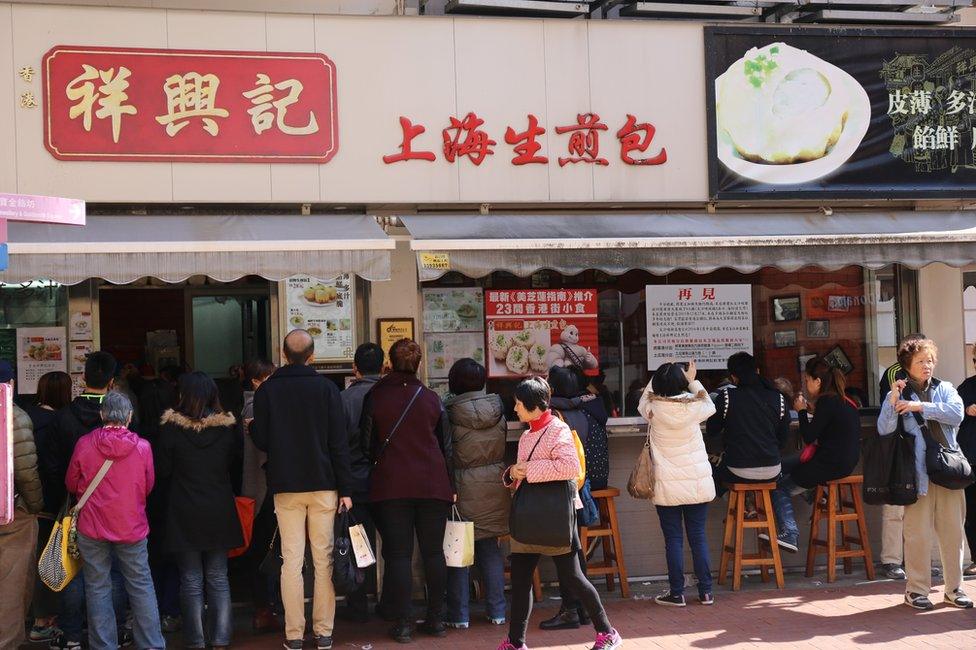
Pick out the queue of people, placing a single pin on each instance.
(159, 514)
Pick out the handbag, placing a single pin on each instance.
(60, 560)
(458, 541)
(640, 485)
(946, 466)
(543, 514)
(888, 467)
(245, 514)
(347, 577)
(272, 562)
(386, 443)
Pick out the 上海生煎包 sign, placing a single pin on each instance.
(131, 104)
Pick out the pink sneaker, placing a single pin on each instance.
(607, 641)
(507, 645)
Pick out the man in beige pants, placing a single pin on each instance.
(299, 421)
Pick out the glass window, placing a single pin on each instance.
(852, 315)
(33, 304)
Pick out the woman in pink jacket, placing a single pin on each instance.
(554, 459)
(113, 522)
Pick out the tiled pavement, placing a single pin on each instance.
(807, 614)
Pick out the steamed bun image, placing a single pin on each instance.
(780, 105)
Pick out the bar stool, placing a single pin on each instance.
(613, 564)
(735, 528)
(536, 580)
(834, 507)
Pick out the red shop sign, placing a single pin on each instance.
(104, 103)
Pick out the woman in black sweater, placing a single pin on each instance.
(835, 428)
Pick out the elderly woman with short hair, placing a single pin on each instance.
(939, 512)
(411, 486)
(113, 523)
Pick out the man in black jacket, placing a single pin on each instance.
(754, 421)
(300, 422)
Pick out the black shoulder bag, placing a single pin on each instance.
(543, 514)
(386, 443)
(888, 466)
(946, 466)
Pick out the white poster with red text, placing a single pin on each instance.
(706, 323)
(530, 330)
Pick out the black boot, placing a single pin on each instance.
(402, 632)
(566, 619)
(433, 627)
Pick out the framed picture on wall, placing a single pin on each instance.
(785, 308)
(818, 329)
(802, 361)
(839, 359)
(784, 339)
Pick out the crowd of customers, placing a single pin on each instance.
(159, 503)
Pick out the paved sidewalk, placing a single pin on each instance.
(843, 615)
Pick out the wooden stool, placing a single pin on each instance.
(831, 505)
(613, 550)
(735, 528)
(536, 580)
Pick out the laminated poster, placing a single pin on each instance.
(325, 310)
(39, 350)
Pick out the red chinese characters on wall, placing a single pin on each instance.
(135, 104)
(465, 138)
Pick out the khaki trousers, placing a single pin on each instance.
(314, 513)
(937, 516)
(18, 548)
(892, 527)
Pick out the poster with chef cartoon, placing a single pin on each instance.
(529, 331)
(840, 112)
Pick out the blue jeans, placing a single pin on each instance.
(488, 557)
(195, 567)
(133, 562)
(72, 617)
(783, 505)
(694, 517)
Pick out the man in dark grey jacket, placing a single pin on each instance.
(18, 539)
(367, 364)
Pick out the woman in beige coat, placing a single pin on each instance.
(676, 404)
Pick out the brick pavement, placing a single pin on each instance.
(809, 615)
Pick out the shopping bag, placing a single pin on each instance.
(458, 541)
(56, 566)
(245, 513)
(346, 576)
(361, 548)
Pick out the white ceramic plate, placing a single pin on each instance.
(858, 120)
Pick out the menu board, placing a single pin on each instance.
(443, 349)
(325, 310)
(6, 455)
(531, 331)
(40, 350)
(454, 310)
(706, 323)
(79, 351)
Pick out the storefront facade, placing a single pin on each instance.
(465, 177)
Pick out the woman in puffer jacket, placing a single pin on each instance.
(478, 432)
(676, 404)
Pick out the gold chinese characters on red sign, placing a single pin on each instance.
(189, 105)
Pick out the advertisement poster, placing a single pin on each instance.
(840, 112)
(6, 455)
(325, 310)
(529, 331)
(78, 354)
(444, 349)
(39, 350)
(706, 323)
(454, 310)
(391, 330)
(80, 326)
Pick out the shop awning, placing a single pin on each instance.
(476, 245)
(122, 249)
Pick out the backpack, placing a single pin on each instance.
(580, 453)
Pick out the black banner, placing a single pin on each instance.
(812, 113)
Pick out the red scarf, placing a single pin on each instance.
(541, 422)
